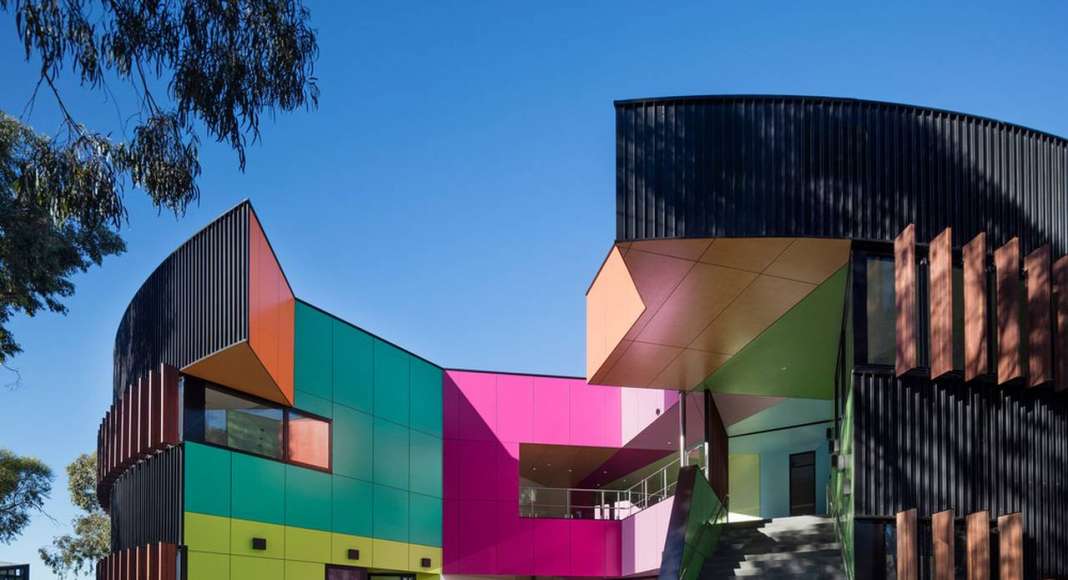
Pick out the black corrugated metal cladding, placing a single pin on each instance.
(146, 502)
(945, 445)
(810, 166)
(193, 304)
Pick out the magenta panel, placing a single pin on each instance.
(451, 467)
(508, 473)
(587, 428)
(477, 409)
(479, 469)
(587, 547)
(450, 408)
(515, 399)
(450, 534)
(515, 544)
(613, 550)
(552, 411)
(478, 523)
(552, 541)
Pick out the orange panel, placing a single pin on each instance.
(613, 305)
(1060, 282)
(941, 303)
(308, 441)
(239, 368)
(905, 300)
(271, 311)
(942, 537)
(1007, 264)
(976, 361)
(979, 546)
(1010, 547)
(1039, 317)
(169, 405)
(907, 558)
(168, 561)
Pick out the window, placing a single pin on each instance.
(218, 416)
(881, 312)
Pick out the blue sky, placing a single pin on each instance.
(454, 191)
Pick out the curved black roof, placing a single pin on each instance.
(768, 165)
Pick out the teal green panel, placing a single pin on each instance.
(353, 434)
(258, 489)
(426, 397)
(353, 367)
(425, 452)
(352, 506)
(424, 525)
(308, 498)
(207, 480)
(390, 514)
(313, 404)
(312, 370)
(391, 454)
(786, 413)
(392, 389)
(796, 355)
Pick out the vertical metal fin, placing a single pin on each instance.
(941, 303)
(976, 358)
(1039, 317)
(1007, 264)
(907, 559)
(979, 546)
(905, 300)
(1010, 547)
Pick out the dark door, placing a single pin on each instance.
(803, 483)
(345, 573)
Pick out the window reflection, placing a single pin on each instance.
(243, 424)
(880, 310)
(309, 440)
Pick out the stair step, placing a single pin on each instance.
(788, 548)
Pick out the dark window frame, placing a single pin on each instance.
(203, 384)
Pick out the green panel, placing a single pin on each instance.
(313, 370)
(308, 494)
(424, 525)
(304, 571)
(204, 533)
(392, 388)
(258, 489)
(391, 454)
(207, 480)
(744, 470)
(206, 565)
(243, 531)
(426, 397)
(352, 445)
(307, 545)
(795, 356)
(246, 568)
(425, 464)
(352, 506)
(785, 413)
(353, 367)
(313, 404)
(390, 514)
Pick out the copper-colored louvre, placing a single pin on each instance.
(978, 546)
(1060, 290)
(1010, 547)
(1007, 264)
(942, 537)
(976, 361)
(941, 303)
(905, 300)
(1039, 317)
(907, 559)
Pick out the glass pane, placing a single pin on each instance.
(309, 440)
(242, 424)
(880, 309)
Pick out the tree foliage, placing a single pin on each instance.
(78, 552)
(223, 63)
(25, 484)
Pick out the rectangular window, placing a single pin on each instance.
(220, 416)
(880, 308)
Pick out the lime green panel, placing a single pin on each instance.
(205, 566)
(744, 470)
(391, 454)
(425, 464)
(353, 367)
(205, 533)
(352, 506)
(313, 349)
(390, 514)
(390, 555)
(392, 388)
(342, 543)
(207, 480)
(308, 494)
(353, 437)
(307, 545)
(305, 571)
(245, 568)
(258, 489)
(424, 519)
(312, 404)
(243, 531)
(426, 397)
(795, 356)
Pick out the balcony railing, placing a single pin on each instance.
(606, 503)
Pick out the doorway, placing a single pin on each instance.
(803, 483)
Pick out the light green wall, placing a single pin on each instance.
(744, 470)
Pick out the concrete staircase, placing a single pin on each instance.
(796, 547)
